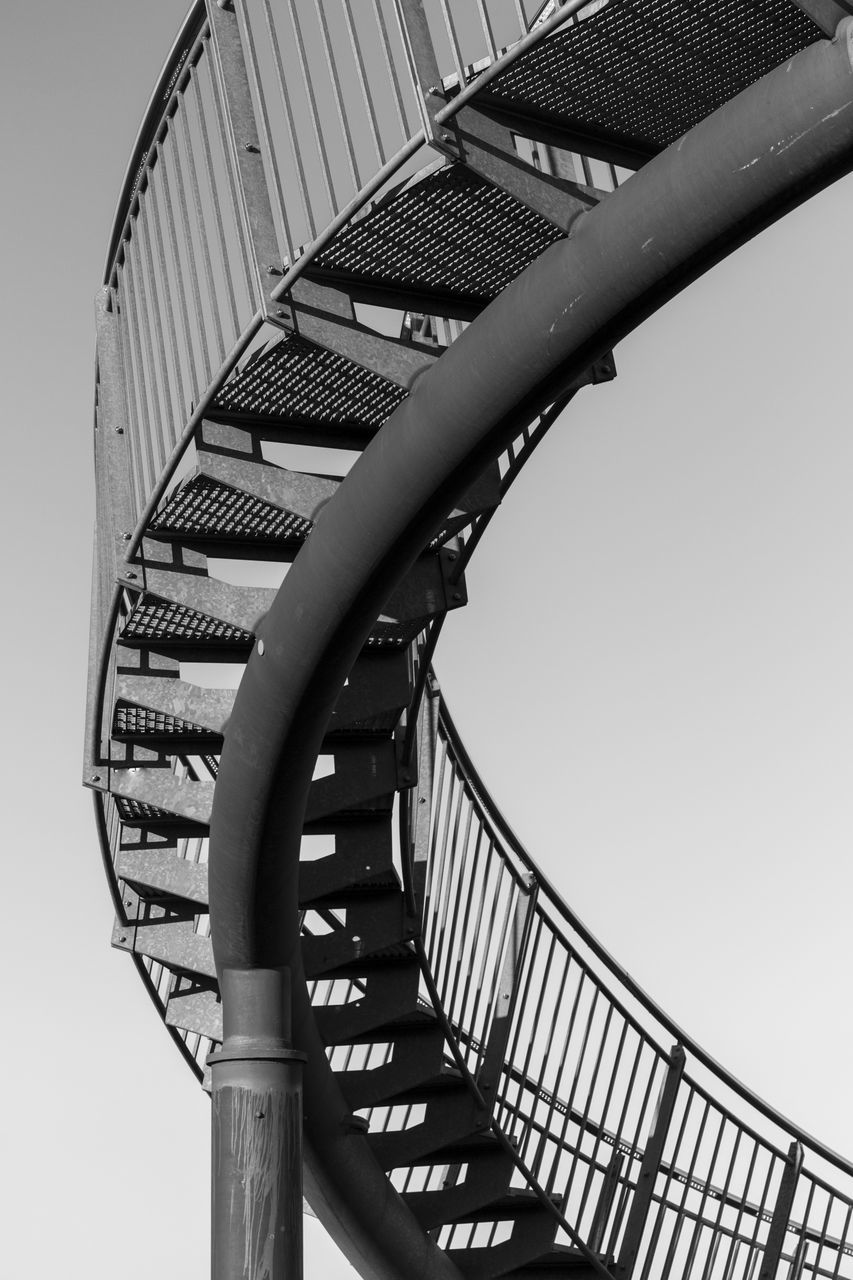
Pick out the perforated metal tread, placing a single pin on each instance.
(450, 236)
(136, 813)
(132, 722)
(205, 508)
(155, 620)
(300, 383)
(640, 73)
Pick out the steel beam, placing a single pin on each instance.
(759, 156)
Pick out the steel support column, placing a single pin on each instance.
(763, 153)
(257, 1132)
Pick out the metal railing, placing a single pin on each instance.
(679, 1172)
(183, 285)
(337, 122)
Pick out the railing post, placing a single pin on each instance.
(115, 517)
(781, 1213)
(506, 995)
(652, 1157)
(230, 62)
(421, 800)
(603, 1209)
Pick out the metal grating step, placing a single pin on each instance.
(204, 508)
(140, 814)
(157, 620)
(305, 384)
(132, 722)
(640, 73)
(451, 235)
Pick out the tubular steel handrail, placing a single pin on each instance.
(572, 922)
(750, 1164)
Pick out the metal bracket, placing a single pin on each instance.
(781, 1213)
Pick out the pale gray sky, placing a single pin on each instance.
(654, 677)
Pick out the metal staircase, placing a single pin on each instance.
(487, 1093)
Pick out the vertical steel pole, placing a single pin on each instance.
(257, 1132)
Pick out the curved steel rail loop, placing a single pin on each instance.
(487, 1093)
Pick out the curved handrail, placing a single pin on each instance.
(579, 298)
(306, 698)
(185, 39)
(638, 993)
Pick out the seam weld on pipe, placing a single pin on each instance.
(761, 154)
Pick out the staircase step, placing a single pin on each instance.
(447, 1119)
(678, 72)
(364, 778)
(533, 1232)
(487, 1173)
(164, 872)
(416, 1055)
(560, 1261)
(373, 928)
(390, 992)
(178, 701)
(195, 1006)
(361, 850)
(158, 797)
(205, 510)
(299, 384)
(392, 251)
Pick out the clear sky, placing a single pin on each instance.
(654, 677)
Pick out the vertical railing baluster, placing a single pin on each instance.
(362, 80)
(262, 120)
(156, 182)
(602, 1123)
(207, 156)
(840, 1250)
(506, 994)
(232, 178)
(289, 121)
(606, 1196)
(649, 1167)
(145, 450)
(184, 138)
(450, 27)
(169, 416)
(486, 24)
(352, 159)
(197, 375)
(316, 124)
(459, 986)
(393, 78)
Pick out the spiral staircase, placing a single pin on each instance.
(326, 201)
